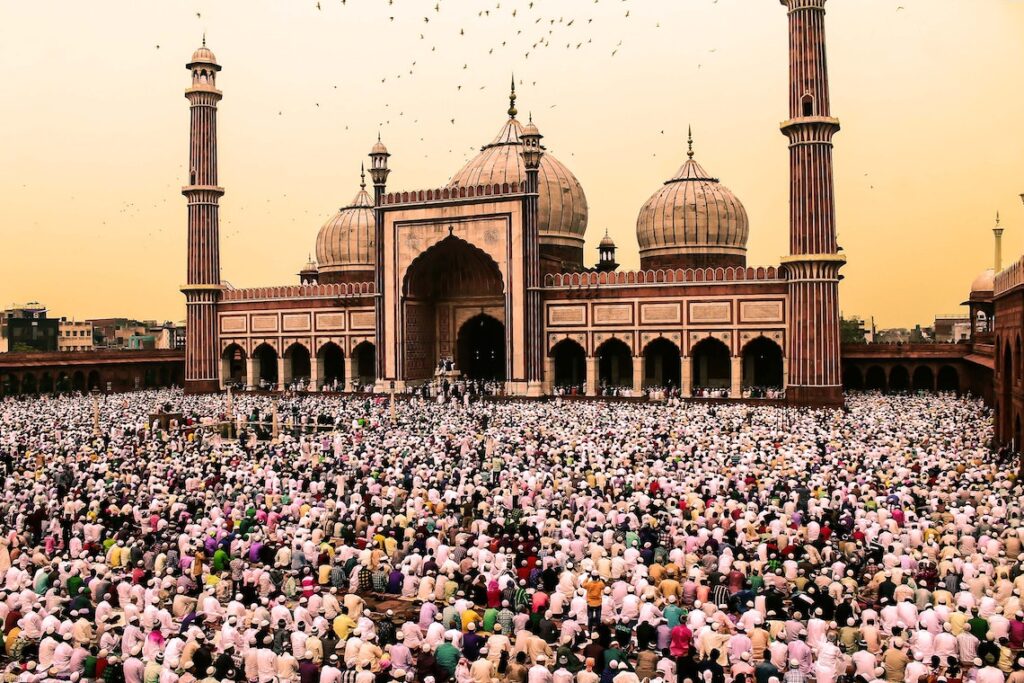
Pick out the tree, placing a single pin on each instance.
(851, 331)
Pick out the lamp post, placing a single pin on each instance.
(392, 401)
(274, 428)
(231, 413)
(95, 411)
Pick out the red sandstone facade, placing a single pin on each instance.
(487, 271)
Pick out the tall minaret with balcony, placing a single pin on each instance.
(813, 264)
(203, 287)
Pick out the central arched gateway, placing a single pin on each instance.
(453, 307)
(481, 348)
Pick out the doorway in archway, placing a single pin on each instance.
(482, 348)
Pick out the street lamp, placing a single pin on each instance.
(95, 411)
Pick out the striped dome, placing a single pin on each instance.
(562, 206)
(693, 218)
(345, 242)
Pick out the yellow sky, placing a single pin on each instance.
(94, 141)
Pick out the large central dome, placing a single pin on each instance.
(562, 206)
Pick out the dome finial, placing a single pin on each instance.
(512, 99)
(204, 38)
(689, 142)
(362, 175)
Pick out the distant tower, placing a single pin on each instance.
(815, 376)
(998, 232)
(606, 254)
(379, 172)
(203, 289)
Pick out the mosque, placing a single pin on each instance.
(488, 275)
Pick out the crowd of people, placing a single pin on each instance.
(507, 542)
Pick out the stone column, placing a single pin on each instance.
(252, 373)
(591, 375)
(284, 372)
(316, 371)
(638, 374)
(350, 372)
(549, 375)
(686, 376)
(737, 377)
(785, 373)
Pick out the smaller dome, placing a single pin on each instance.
(530, 129)
(310, 266)
(607, 241)
(345, 243)
(203, 55)
(984, 283)
(378, 147)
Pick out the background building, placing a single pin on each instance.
(75, 335)
(26, 328)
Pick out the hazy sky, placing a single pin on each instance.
(94, 139)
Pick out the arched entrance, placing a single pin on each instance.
(365, 358)
(899, 379)
(78, 381)
(482, 349)
(438, 285)
(614, 364)
(711, 364)
(762, 364)
(94, 380)
(265, 358)
(333, 363)
(874, 379)
(63, 382)
(949, 379)
(924, 378)
(662, 365)
(11, 385)
(298, 362)
(46, 383)
(28, 383)
(233, 365)
(852, 378)
(570, 364)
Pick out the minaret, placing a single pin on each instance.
(532, 154)
(606, 254)
(814, 372)
(379, 172)
(203, 289)
(998, 232)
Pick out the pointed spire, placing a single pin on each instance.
(689, 142)
(997, 219)
(204, 38)
(512, 99)
(362, 176)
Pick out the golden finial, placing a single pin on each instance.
(512, 99)
(689, 142)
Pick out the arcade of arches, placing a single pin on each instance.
(709, 366)
(453, 307)
(329, 368)
(899, 377)
(64, 372)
